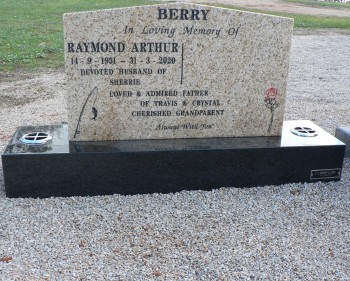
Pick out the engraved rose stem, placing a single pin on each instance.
(271, 119)
(271, 103)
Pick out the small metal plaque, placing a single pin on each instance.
(325, 174)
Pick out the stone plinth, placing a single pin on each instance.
(148, 166)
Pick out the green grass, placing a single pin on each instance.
(304, 21)
(317, 22)
(315, 3)
(314, 22)
(31, 33)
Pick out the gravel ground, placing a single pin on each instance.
(288, 232)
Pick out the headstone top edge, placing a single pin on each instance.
(174, 4)
(137, 7)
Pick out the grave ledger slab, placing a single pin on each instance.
(63, 168)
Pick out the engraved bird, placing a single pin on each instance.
(94, 112)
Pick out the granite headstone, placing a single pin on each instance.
(175, 71)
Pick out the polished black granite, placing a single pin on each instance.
(63, 168)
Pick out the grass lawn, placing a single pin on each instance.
(304, 21)
(315, 3)
(31, 32)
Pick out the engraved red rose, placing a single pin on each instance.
(270, 94)
(270, 100)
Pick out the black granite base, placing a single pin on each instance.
(62, 168)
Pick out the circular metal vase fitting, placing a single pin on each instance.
(304, 132)
(36, 138)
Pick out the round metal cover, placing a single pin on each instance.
(304, 132)
(36, 138)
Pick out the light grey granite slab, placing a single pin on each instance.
(175, 71)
